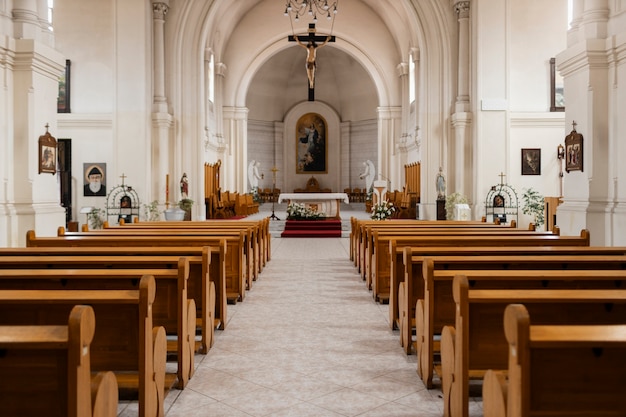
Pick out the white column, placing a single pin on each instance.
(236, 135)
(389, 131)
(25, 19)
(162, 165)
(462, 117)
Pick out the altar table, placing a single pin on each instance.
(327, 203)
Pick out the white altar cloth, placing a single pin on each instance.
(327, 203)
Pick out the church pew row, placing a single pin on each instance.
(426, 293)
(247, 266)
(235, 261)
(121, 335)
(60, 356)
(361, 231)
(437, 309)
(557, 370)
(170, 309)
(400, 263)
(380, 262)
(476, 342)
(207, 272)
(260, 236)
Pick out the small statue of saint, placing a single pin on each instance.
(441, 185)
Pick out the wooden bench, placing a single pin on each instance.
(380, 262)
(249, 257)
(171, 308)
(476, 342)
(361, 231)
(430, 291)
(257, 236)
(60, 356)
(206, 283)
(572, 370)
(124, 341)
(235, 274)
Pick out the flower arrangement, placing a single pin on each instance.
(382, 210)
(451, 201)
(298, 211)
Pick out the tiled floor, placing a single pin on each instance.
(307, 341)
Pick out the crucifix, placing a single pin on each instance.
(501, 178)
(311, 43)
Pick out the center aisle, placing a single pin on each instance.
(308, 341)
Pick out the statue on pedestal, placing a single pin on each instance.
(441, 185)
(368, 175)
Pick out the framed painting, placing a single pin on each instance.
(47, 153)
(531, 161)
(94, 184)
(63, 100)
(311, 145)
(574, 151)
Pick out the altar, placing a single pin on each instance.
(327, 203)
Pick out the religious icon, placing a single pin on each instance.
(311, 130)
(531, 161)
(574, 150)
(95, 180)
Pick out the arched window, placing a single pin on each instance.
(411, 78)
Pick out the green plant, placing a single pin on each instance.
(451, 201)
(151, 211)
(95, 218)
(185, 204)
(534, 206)
(382, 210)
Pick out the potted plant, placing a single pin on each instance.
(95, 218)
(185, 204)
(451, 201)
(151, 211)
(534, 206)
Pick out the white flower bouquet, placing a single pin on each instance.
(382, 210)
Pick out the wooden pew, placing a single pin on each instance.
(380, 260)
(46, 370)
(572, 370)
(361, 233)
(235, 259)
(204, 262)
(248, 259)
(171, 308)
(431, 290)
(376, 239)
(124, 342)
(476, 342)
(261, 237)
(411, 263)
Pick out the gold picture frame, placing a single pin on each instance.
(311, 144)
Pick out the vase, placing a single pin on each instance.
(174, 214)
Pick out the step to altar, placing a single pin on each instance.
(312, 228)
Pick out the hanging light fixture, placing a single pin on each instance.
(298, 8)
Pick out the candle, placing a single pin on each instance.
(167, 190)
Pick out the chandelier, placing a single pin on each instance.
(312, 7)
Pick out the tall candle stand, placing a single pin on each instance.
(274, 171)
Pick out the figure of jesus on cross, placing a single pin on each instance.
(310, 43)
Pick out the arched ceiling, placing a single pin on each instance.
(247, 35)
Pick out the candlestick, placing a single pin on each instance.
(167, 190)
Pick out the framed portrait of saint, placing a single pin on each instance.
(311, 144)
(531, 161)
(94, 179)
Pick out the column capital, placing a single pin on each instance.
(462, 8)
(160, 8)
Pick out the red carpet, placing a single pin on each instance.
(312, 228)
